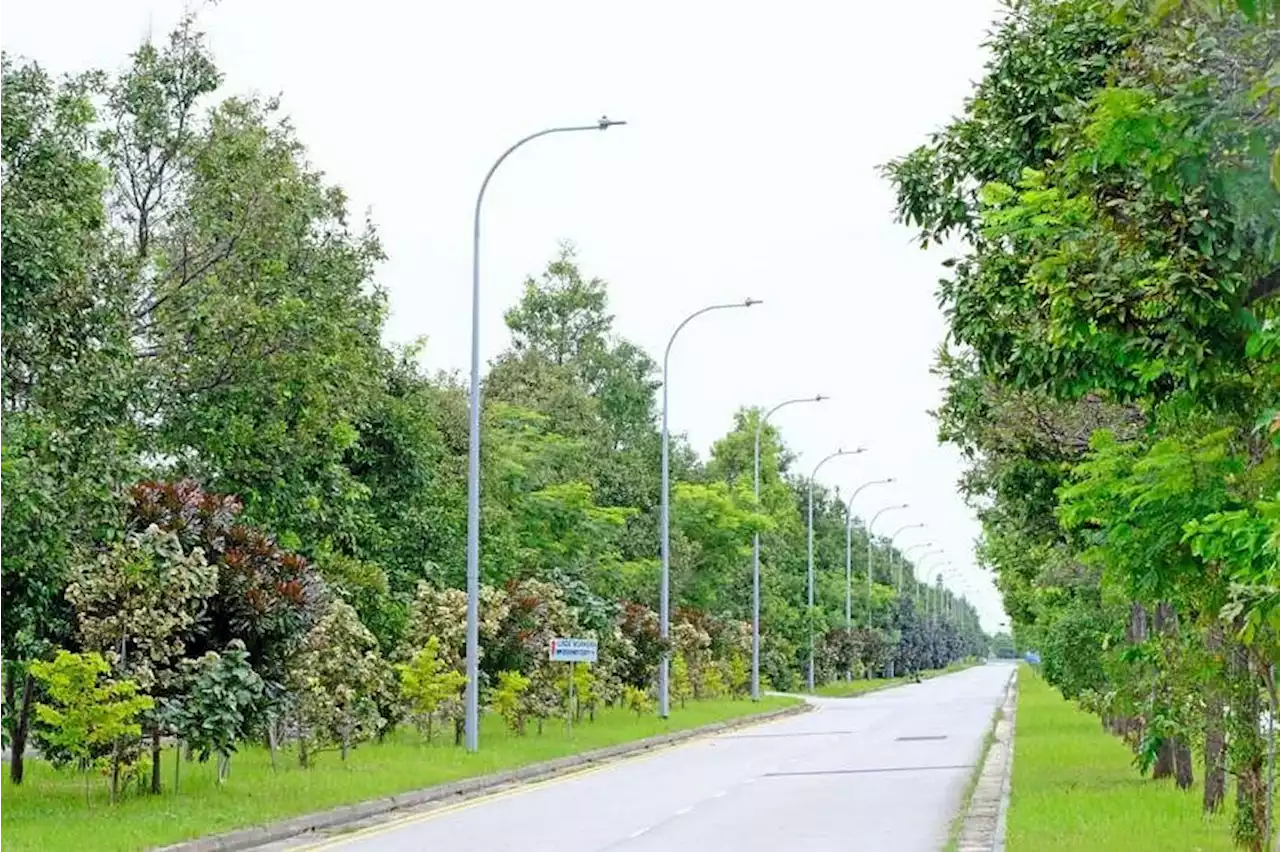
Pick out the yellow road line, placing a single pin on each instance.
(486, 798)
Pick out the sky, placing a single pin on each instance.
(748, 168)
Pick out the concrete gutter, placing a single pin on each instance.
(346, 815)
(984, 822)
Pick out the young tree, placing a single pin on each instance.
(87, 711)
(681, 688)
(333, 677)
(508, 700)
(139, 605)
(224, 699)
(427, 684)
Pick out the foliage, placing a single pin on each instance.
(223, 702)
(426, 684)
(333, 676)
(86, 711)
(638, 701)
(508, 701)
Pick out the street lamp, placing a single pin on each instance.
(848, 556)
(893, 563)
(812, 477)
(870, 539)
(473, 461)
(665, 601)
(908, 552)
(755, 550)
(920, 579)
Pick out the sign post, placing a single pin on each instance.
(567, 650)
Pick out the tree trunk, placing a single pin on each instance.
(302, 752)
(457, 732)
(1247, 753)
(1163, 767)
(271, 741)
(177, 767)
(1184, 771)
(155, 760)
(18, 738)
(1215, 743)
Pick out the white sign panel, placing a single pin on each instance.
(573, 650)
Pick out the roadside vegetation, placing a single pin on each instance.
(851, 688)
(235, 516)
(1074, 788)
(1111, 195)
(47, 812)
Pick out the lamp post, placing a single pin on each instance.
(907, 552)
(920, 579)
(472, 700)
(664, 607)
(755, 550)
(812, 477)
(896, 566)
(870, 539)
(848, 556)
(894, 563)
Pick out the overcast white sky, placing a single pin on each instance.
(748, 169)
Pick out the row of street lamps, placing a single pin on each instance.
(472, 698)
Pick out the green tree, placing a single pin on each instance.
(333, 676)
(426, 684)
(508, 700)
(681, 688)
(223, 702)
(87, 710)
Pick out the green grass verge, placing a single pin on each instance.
(48, 811)
(1075, 788)
(852, 688)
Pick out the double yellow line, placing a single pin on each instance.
(486, 798)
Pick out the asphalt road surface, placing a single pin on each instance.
(883, 773)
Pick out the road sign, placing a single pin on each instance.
(565, 650)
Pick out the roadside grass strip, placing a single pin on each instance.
(853, 688)
(48, 811)
(1075, 788)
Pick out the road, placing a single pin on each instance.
(884, 773)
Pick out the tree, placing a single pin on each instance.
(426, 684)
(65, 368)
(224, 700)
(681, 688)
(508, 700)
(138, 605)
(333, 676)
(86, 710)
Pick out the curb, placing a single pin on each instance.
(252, 838)
(984, 821)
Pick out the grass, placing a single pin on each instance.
(1075, 788)
(853, 688)
(48, 811)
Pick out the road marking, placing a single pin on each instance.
(684, 811)
(721, 794)
(637, 832)
(485, 798)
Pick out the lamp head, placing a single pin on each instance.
(820, 398)
(749, 302)
(605, 123)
